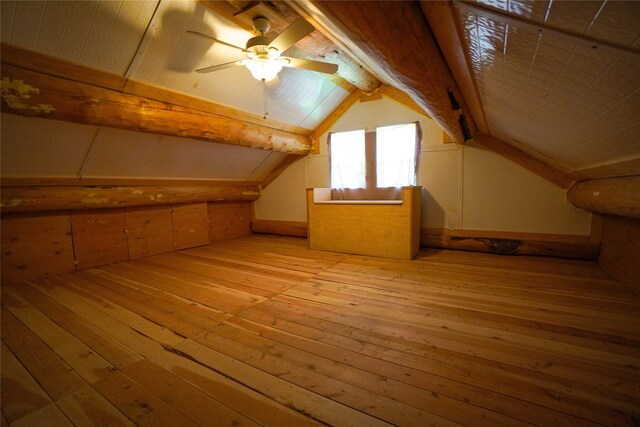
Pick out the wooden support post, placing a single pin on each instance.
(617, 196)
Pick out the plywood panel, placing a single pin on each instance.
(150, 231)
(35, 245)
(99, 237)
(229, 220)
(620, 250)
(190, 225)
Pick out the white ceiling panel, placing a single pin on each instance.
(124, 154)
(34, 147)
(554, 95)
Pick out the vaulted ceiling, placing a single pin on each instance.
(552, 85)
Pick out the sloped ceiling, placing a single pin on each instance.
(558, 80)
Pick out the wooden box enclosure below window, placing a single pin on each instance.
(384, 228)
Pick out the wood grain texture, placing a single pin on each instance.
(512, 243)
(263, 330)
(229, 220)
(99, 237)
(386, 230)
(616, 196)
(190, 225)
(283, 228)
(36, 245)
(150, 231)
(407, 53)
(620, 253)
(624, 168)
(58, 67)
(33, 199)
(62, 99)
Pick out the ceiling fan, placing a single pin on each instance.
(264, 59)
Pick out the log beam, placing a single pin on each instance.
(39, 86)
(617, 196)
(394, 40)
(36, 199)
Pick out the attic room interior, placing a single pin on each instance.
(346, 213)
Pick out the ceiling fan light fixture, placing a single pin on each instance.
(264, 68)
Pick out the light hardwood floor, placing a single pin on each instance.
(263, 331)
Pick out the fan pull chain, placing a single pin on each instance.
(264, 95)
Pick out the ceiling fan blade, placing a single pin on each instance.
(294, 32)
(308, 64)
(218, 67)
(216, 40)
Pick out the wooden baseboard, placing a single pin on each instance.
(511, 243)
(498, 242)
(283, 228)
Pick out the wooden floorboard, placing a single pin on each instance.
(263, 331)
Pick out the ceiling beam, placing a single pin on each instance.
(331, 119)
(394, 40)
(617, 196)
(442, 19)
(315, 46)
(610, 170)
(36, 199)
(534, 165)
(37, 94)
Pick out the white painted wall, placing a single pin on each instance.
(467, 188)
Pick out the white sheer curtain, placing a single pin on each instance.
(396, 150)
(348, 167)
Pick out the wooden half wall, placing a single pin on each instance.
(620, 251)
(40, 243)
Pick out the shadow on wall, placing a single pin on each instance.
(432, 213)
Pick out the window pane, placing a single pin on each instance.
(347, 160)
(396, 155)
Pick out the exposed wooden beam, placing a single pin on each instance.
(34, 199)
(68, 181)
(315, 46)
(30, 93)
(441, 16)
(394, 40)
(34, 61)
(617, 196)
(277, 171)
(624, 168)
(536, 166)
(402, 98)
(332, 119)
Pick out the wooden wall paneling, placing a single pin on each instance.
(99, 237)
(150, 231)
(620, 250)
(229, 220)
(190, 225)
(36, 245)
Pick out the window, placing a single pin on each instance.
(384, 158)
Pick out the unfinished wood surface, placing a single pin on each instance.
(620, 252)
(616, 196)
(99, 237)
(36, 245)
(387, 228)
(512, 243)
(395, 40)
(35, 199)
(264, 331)
(34, 94)
(229, 220)
(58, 67)
(190, 225)
(150, 231)
(283, 228)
